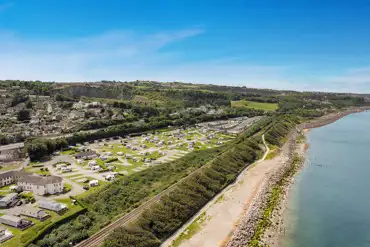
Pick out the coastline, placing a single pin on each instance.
(272, 234)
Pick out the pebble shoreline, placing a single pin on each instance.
(247, 225)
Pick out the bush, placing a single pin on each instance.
(67, 188)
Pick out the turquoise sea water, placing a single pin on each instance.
(329, 204)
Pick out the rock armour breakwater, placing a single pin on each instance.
(247, 226)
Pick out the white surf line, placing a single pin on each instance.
(174, 236)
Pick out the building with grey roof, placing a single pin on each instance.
(52, 205)
(15, 221)
(8, 200)
(33, 212)
(37, 184)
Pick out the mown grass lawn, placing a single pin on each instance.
(21, 237)
(254, 105)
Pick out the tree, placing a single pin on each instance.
(124, 237)
(23, 115)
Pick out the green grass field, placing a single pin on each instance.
(255, 105)
(21, 237)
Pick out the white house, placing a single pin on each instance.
(27, 181)
(52, 205)
(41, 185)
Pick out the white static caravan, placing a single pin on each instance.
(52, 205)
(94, 183)
(14, 221)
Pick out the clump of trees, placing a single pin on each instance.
(61, 97)
(131, 237)
(24, 115)
(37, 148)
(18, 98)
(280, 128)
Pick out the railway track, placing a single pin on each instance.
(97, 239)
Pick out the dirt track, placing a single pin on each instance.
(223, 216)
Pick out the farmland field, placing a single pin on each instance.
(254, 105)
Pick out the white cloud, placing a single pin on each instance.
(350, 80)
(125, 55)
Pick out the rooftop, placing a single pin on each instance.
(30, 178)
(10, 218)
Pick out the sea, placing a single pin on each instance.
(329, 202)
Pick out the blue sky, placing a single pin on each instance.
(301, 45)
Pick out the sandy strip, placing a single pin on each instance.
(223, 215)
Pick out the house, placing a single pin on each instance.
(15, 221)
(9, 200)
(27, 181)
(86, 155)
(52, 205)
(41, 185)
(94, 183)
(12, 152)
(5, 234)
(33, 212)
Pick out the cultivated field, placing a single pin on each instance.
(254, 105)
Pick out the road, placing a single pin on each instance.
(12, 146)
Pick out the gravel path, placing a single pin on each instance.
(222, 215)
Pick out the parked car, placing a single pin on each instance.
(85, 187)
